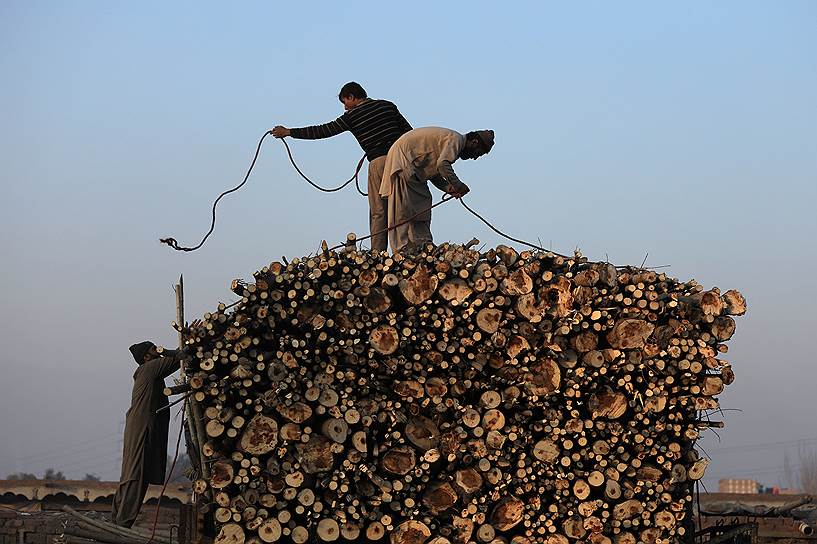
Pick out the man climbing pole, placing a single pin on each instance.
(144, 453)
(421, 155)
(376, 124)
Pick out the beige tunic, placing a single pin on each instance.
(419, 153)
(417, 156)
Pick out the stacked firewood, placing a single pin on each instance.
(457, 396)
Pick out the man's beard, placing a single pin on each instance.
(468, 153)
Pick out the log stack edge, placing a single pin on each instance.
(458, 396)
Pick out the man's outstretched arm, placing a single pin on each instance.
(164, 365)
(314, 132)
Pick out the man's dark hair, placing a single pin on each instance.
(352, 89)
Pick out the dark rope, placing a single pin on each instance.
(446, 198)
(172, 241)
(357, 185)
(175, 245)
(496, 230)
(318, 187)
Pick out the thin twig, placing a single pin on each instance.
(175, 402)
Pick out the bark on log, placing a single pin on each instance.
(411, 532)
(423, 433)
(400, 460)
(231, 533)
(630, 333)
(260, 436)
(384, 339)
(439, 497)
(734, 303)
(456, 290)
(607, 404)
(507, 513)
(222, 474)
(316, 455)
(420, 285)
(488, 320)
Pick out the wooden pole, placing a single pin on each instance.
(193, 411)
(179, 289)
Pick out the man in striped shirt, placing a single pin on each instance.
(376, 125)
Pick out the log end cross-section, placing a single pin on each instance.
(384, 339)
(507, 513)
(630, 333)
(260, 436)
(419, 286)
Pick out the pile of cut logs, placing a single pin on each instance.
(457, 396)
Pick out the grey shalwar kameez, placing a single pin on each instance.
(416, 157)
(144, 454)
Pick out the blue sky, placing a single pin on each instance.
(686, 131)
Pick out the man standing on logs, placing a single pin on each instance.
(376, 125)
(144, 455)
(421, 155)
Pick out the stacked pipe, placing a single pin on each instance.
(457, 396)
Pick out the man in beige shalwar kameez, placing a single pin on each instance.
(418, 156)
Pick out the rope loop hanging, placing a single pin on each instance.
(318, 187)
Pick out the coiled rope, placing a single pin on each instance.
(318, 187)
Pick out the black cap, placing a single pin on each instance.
(140, 350)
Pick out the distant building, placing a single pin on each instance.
(775, 529)
(777, 490)
(31, 510)
(736, 485)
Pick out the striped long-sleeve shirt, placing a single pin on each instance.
(376, 124)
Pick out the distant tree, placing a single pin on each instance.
(181, 468)
(803, 474)
(51, 474)
(22, 476)
(91, 478)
